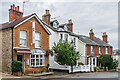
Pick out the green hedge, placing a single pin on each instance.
(16, 66)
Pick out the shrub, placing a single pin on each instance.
(16, 66)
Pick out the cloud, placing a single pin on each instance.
(101, 16)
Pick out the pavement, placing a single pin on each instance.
(64, 75)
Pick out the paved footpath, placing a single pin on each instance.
(65, 76)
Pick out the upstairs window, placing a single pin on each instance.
(106, 50)
(37, 40)
(99, 50)
(91, 49)
(61, 36)
(23, 38)
(66, 36)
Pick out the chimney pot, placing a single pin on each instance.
(105, 37)
(18, 8)
(91, 34)
(13, 6)
(69, 21)
(47, 11)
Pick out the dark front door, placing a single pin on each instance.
(19, 58)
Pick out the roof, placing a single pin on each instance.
(96, 41)
(15, 22)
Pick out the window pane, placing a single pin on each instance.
(32, 62)
(37, 62)
(41, 56)
(23, 38)
(37, 56)
(41, 62)
(23, 34)
(32, 56)
(37, 36)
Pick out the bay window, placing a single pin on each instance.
(37, 60)
(23, 38)
(37, 40)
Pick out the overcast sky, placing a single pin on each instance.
(100, 16)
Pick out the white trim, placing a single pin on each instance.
(37, 19)
(24, 51)
(19, 48)
(82, 42)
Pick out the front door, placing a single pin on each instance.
(92, 63)
(20, 58)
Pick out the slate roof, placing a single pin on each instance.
(12, 24)
(96, 41)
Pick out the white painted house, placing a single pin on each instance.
(89, 47)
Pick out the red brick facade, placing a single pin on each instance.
(27, 26)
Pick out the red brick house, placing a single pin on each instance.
(93, 47)
(24, 39)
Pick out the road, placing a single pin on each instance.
(99, 75)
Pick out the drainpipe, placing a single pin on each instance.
(12, 43)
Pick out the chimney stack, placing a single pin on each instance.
(14, 13)
(105, 37)
(70, 25)
(91, 34)
(46, 17)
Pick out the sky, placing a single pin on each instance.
(99, 15)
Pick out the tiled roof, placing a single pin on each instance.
(96, 41)
(13, 23)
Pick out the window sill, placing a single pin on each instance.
(23, 46)
(37, 66)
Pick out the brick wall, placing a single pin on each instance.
(96, 50)
(27, 26)
(6, 50)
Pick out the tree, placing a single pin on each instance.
(66, 53)
(106, 61)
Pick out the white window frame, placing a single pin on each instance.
(61, 38)
(99, 50)
(43, 58)
(92, 49)
(106, 50)
(38, 40)
(65, 36)
(21, 45)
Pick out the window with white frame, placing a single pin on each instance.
(37, 40)
(66, 36)
(91, 49)
(61, 36)
(74, 41)
(106, 50)
(99, 50)
(37, 60)
(23, 38)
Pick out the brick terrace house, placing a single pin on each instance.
(24, 39)
(92, 47)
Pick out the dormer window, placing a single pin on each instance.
(55, 25)
(65, 27)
